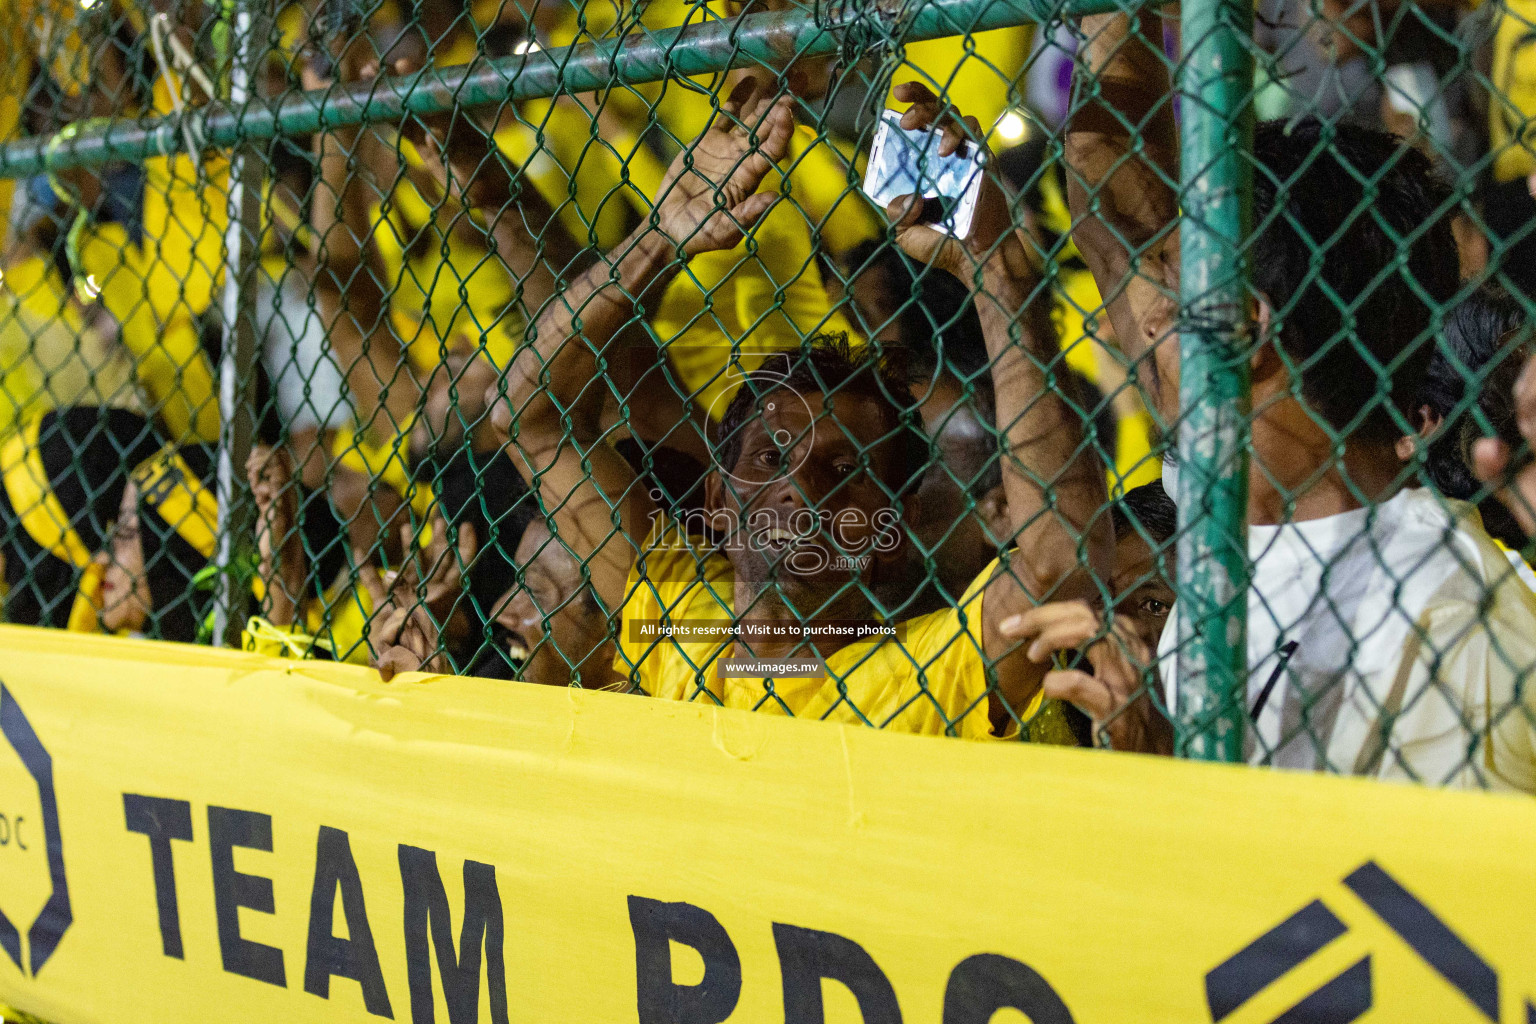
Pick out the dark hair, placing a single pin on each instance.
(1148, 508)
(1471, 338)
(86, 452)
(935, 314)
(1472, 350)
(171, 564)
(826, 365)
(1348, 197)
(485, 490)
(1507, 209)
(677, 475)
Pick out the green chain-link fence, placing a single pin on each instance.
(567, 343)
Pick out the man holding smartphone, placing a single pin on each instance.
(821, 442)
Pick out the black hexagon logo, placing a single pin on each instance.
(55, 917)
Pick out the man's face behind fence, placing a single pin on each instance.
(1352, 242)
(958, 510)
(557, 628)
(805, 500)
(125, 596)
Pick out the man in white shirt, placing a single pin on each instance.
(1387, 635)
(1398, 638)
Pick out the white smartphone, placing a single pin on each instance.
(904, 163)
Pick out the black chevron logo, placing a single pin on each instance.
(1347, 997)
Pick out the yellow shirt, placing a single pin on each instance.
(50, 356)
(1511, 132)
(445, 293)
(384, 464)
(15, 69)
(140, 290)
(932, 682)
(825, 177)
(592, 169)
(341, 618)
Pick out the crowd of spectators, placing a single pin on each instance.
(635, 390)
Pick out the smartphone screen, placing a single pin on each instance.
(904, 163)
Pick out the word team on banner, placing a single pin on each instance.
(201, 835)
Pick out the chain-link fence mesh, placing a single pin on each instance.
(604, 345)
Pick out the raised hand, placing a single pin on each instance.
(404, 639)
(445, 574)
(709, 197)
(339, 59)
(1491, 457)
(402, 633)
(416, 647)
(457, 152)
(991, 222)
(270, 473)
(405, 629)
(1112, 694)
(464, 164)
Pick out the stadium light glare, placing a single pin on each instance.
(1012, 128)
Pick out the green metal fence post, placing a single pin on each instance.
(1216, 134)
(237, 369)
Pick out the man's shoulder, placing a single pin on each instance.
(1501, 606)
(1437, 546)
(956, 623)
(1422, 577)
(672, 561)
(1470, 582)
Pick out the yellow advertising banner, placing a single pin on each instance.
(189, 835)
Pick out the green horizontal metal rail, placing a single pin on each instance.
(770, 39)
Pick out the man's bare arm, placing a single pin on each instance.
(349, 271)
(502, 210)
(1053, 482)
(554, 403)
(469, 171)
(1122, 158)
(708, 200)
